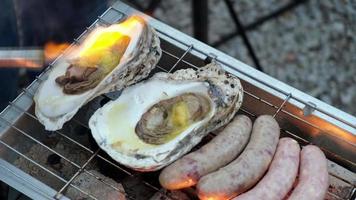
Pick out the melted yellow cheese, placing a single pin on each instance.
(180, 120)
(180, 114)
(117, 121)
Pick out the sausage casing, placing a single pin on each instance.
(221, 150)
(248, 168)
(280, 176)
(313, 180)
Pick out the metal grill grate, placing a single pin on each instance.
(173, 58)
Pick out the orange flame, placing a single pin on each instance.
(52, 50)
(103, 38)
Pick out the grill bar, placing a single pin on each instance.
(184, 54)
(53, 151)
(85, 148)
(182, 60)
(279, 109)
(42, 167)
(38, 142)
(281, 106)
(58, 195)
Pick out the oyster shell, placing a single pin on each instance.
(156, 121)
(126, 54)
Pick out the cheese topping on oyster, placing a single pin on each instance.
(110, 58)
(155, 122)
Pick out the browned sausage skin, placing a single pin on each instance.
(280, 176)
(248, 168)
(313, 180)
(221, 150)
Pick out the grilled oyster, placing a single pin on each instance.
(155, 122)
(109, 59)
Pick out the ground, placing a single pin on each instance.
(312, 47)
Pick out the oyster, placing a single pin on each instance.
(156, 121)
(109, 59)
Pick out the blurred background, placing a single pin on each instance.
(309, 44)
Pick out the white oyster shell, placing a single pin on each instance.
(113, 125)
(53, 107)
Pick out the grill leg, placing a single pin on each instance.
(200, 19)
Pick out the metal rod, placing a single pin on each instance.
(200, 19)
(178, 61)
(176, 57)
(38, 142)
(43, 168)
(259, 21)
(161, 68)
(242, 31)
(59, 193)
(20, 177)
(104, 159)
(282, 105)
(63, 157)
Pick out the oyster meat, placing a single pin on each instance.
(156, 121)
(110, 58)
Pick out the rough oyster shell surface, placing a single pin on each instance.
(53, 107)
(113, 125)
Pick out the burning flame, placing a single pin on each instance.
(52, 50)
(102, 39)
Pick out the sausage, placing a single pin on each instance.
(280, 176)
(248, 168)
(221, 150)
(313, 181)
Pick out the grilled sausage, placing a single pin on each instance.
(313, 175)
(221, 150)
(280, 176)
(248, 168)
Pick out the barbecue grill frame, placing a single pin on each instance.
(284, 96)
